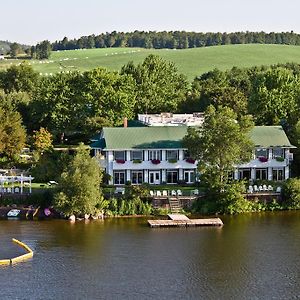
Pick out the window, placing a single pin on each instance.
(261, 153)
(137, 177)
(172, 154)
(189, 176)
(137, 155)
(172, 176)
(278, 174)
(119, 177)
(154, 154)
(244, 174)
(261, 174)
(120, 155)
(278, 152)
(186, 154)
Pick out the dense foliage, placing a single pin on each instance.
(222, 142)
(79, 191)
(175, 39)
(291, 193)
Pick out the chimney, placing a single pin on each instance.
(125, 122)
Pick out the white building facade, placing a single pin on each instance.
(155, 155)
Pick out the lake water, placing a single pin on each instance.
(253, 256)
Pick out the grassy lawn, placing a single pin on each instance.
(191, 62)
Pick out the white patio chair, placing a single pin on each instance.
(151, 193)
(196, 192)
(255, 188)
(278, 189)
(173, 193)
(179, 193)
(250, 189)
(265, 188)
(270, 188)
(165, 193)
(260, 188)
(158, 193)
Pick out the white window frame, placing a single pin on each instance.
(117, 177)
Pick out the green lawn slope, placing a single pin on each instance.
(191, 62)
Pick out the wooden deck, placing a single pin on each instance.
(178, 220)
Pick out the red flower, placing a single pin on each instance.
(120, 161)
(155, 161)
(263, 159)
(190, 160)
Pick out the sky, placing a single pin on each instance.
(32, 21)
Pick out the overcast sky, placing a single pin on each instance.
(32, 21)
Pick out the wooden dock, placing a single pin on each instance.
(179, 220)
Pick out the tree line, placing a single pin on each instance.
(175, 39)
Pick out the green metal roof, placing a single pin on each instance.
(166, 137)
(270, 136)
(144, 137)
(100, 144)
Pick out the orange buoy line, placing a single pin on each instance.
(20, 258)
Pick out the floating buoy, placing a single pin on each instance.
(20, 258)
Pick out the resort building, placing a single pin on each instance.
(155, 155)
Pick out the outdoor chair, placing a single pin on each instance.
(270, 188)
(17, 190)
(151, 193)
(158, 193)
(165, 193)
(250, 189)
(260, 188)
(173, 193)
(255, 188)
(196, 192)
(265, 188)
(179, 193)
(278, 189)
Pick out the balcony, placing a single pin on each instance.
(164, 164)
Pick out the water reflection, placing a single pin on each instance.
(254, 256)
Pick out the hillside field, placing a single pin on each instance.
(191, 62)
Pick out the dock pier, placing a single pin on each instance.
(180, 220)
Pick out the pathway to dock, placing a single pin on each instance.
(180, 220)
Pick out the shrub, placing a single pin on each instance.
(291, 193)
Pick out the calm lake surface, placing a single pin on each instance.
(254, 256)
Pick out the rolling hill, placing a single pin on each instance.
(191, 62)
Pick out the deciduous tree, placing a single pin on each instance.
(79, 186)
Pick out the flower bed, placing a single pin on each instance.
(137, 161)
(263, 159)
(190, 160)
(172, 161)
(120, 161)
(155, 161)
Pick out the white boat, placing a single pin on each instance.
(13, 213)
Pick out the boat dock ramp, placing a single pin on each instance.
(180, 220)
